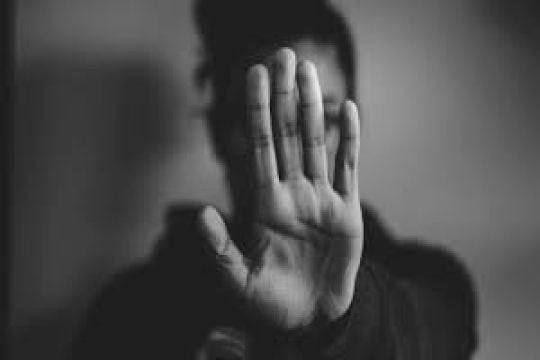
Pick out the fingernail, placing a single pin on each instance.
(213, 229)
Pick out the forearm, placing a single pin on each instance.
(367, 329)
(390, 318)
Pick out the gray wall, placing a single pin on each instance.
(109, 131)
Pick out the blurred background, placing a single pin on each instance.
(109, 131)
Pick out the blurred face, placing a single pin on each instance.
(236, 155)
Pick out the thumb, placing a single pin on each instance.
(228, 257)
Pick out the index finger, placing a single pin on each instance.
(258, 114)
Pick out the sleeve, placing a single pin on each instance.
(139, 317)
(110, 326)
(160, 308)
(425, 312)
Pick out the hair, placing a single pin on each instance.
(234, 32)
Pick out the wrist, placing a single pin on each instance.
(322, 333)
(341, 289)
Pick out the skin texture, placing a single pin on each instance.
(306, 216)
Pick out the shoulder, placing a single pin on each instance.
(415, 260)
(178, 237)
(133, 309)
(435, 282)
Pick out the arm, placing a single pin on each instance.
(112, 325)
(309, 275)
(308, 228)
(425, 309)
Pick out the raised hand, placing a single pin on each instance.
(310, 230)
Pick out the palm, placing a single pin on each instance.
(310, 236)
(310, 231)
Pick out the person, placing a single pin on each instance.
(303, 269)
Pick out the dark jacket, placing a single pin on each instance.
(411, 301)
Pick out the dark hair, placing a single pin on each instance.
(235, 31)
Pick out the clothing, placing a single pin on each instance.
(411, 301)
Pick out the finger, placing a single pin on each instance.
(228, 257)
(258, 112)
(346, 164)
(284, 113)
(312, 115)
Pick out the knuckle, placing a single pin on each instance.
(321, 185)
(223, 252)
(223, 260)
(257, 106)
(314, 141)
(350, 162)
(261, 140)
(287, 129)
(350, 158)
(307, 105)
(349, 139)
(350, 155)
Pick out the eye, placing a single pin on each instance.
(331, 123)
(331, 114)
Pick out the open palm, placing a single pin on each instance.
(309, 230)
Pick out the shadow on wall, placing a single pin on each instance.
(87, 130)
(517, 17)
